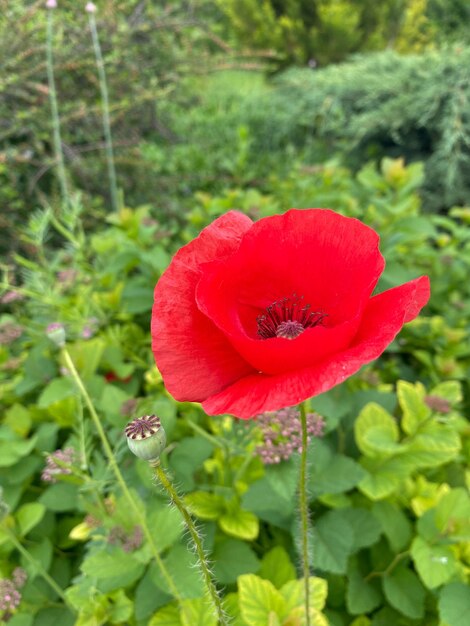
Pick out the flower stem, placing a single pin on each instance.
(36, 564)
(105, 113)
(55, 112)
(117, 472)
(304, 514)
(202, 559)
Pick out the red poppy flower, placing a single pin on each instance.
(253, 317)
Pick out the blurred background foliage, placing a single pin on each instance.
(216, 105)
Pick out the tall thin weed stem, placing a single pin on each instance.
(304, 513)
(139, 515)
(104, 107)
(59, 155)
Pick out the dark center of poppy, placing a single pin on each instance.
(287, 318)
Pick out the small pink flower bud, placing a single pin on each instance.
(90, 7)
(51, 4)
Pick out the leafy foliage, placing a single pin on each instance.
(388, 481)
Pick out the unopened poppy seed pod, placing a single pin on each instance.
(146, 438)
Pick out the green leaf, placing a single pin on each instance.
(121, 607)
(12, 449)
(182, 566)
(116, 567)
(240, 524)
(332, 473)
(361, 596)
(294, 593)
(365, 526)
(260, 601)
(434, 445)
(207, 506)
(231, 558)
(411, 399)
(376, 431)
(452, 516)
(18, 418)
(385, 476)
(198, 612)
(333, 542)
(189, 454)
(167, 616)
(87, 355)
(450, 390)
(29, 515)
(405, 592)
(57, 390)
(60, 497)
(454, 604)
(166, 525)
(395, 524)
(435, 564)
(277, 567)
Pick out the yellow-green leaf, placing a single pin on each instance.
(260, 601)
(376, 432)
(239, 523)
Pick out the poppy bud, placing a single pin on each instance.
(146, 438)
(56, 333)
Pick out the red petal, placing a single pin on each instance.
(194, 357)
(330, 260)
(382, 320)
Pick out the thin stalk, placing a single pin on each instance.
(105, 112)
(117, 472)
(304, 515)
(49, 580)
(202, 559)
(59, 155)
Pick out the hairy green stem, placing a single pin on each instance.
(117, 472)
(105, 113)
(59, 155)
(202, 559)
(304, 514)
(35, 563)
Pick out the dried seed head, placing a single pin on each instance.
(146, 437)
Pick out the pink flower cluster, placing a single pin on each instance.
(127, 541)
(282, 433)
(10, 596)
(56, 464)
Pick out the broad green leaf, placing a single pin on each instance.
(121, 607)
(332, 473)
(454, 604)
(166, 526)
(207, 506)
(434, 445)
(12, 448)
(198, 612)
(166, 616)
(277, 567)
(60, 497)
(294, 593)
(183, 568)
(18, 418)
(57, 390)
(240, 524)
(362, 596)
(411, 399)
(260, 602)
(450, 390)
(452, 516)
(385, 476)
(365, 526)
(376, 432)
(231, 558)
(29, 515)
(87, 355)
(395, 524)
(435, 564)
(405, 592)
(103, 565)
(148, 597)
(189, 454)
(333, 542)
